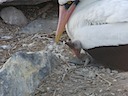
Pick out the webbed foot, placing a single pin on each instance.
(79, 59)
(82, 60)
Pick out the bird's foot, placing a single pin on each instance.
(79, 59)
(82, 60)
(75, 47)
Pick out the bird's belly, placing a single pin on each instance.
(101, 35)
(112, 57)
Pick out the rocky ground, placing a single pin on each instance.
(67, 79)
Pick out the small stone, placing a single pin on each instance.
(24, 45)
(103, 69)
(108, 70)
(31, 44)
(58, 95)
(5, 47)
(92, 94)
(13, 16)
(5, 37)
(114, 80)
(112, 74)
(48, 88)
(119, 90)
(115, 71)
(88, 94)
(92, 75)
(50, 47)
(122, 77)
(113, 94)
(101, 90)
(108, 89)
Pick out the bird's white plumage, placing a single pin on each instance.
(99, 23)
(103, 35)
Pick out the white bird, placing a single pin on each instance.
(101, 26)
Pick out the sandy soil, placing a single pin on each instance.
(67, 79)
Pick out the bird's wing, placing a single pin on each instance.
(98, 13)
(116, 11)
(102, 35)
(111, 11)
(102, 11)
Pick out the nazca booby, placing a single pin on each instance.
(100, 26)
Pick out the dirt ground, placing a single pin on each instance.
(67, 79)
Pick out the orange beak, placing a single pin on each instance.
(64, 16)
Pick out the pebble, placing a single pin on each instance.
(5, 37)
(5, 47)
(119, 90)
(115, 71)
(50, 47)
(92, 94)
(48, 88)
(59, 95)
(108, 70)
(103, 69)
(92, 75)
(122, 77)
(113, 94)
(101, 90)
(114, 80)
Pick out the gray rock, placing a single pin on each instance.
(108, 70)
(5, 37)
(92, 75)
(1, 1)
(22, 73)
(40, 26)
(23, 2)
(5, 47)
(13, 16)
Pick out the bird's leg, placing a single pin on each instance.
(76, 47)
(79, 59)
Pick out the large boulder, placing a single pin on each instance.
(22, 73)
(13, 16)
